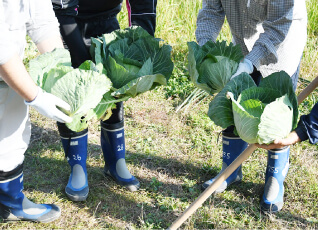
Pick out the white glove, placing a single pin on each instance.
(45, 103)
(244, 66)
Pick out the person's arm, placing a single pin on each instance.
(210, 21)
(13, 72)
(142, 13)
(15, 75)
(276, 26)
(307, 128)
(43, 27)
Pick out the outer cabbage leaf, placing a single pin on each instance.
(259, 122)
(141, 85)
(220, 108)
(82, 89)
(40, 66)
(212, 65)
(96, 50)
(276, 120)
(246, 124)
(108, 102)
(281, 81)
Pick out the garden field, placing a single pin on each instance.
(172, 152)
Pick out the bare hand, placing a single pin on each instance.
(291, 139)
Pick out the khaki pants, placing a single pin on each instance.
(15, 128)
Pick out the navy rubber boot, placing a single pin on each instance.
(75, 148)
(14, 206)
(276, 171)
(233, 146)
(113, 146)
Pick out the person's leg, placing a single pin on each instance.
(74, 143)
(113, 146)
(97, 27)
(276, 171)
(233, 146)
(75, 148)
(142, 13)
(15, 131)
(72, 38)
(112, 130)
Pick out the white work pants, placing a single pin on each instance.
(15, 128)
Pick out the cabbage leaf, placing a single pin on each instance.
(134, 60)
(81, 88)
(261, 113)
(212, 65)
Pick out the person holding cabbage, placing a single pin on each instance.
(307, 129)
(272, 36)
(79, 21)
(17, 92)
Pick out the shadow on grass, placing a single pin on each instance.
(156, 205)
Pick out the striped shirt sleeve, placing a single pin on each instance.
(276, 26)
(209, 22)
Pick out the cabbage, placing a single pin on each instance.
(81, 88)
(212, 65)
(261, 113)
(134, 60)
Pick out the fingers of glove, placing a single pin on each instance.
(57, 114)
(245, 66)
(61, 117)
(59, 102)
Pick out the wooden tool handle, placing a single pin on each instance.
(311, 87)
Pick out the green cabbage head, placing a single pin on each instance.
(134, 60)
(82, 88)
(261, 113)
(212, 65)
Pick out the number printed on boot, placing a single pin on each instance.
(226, 155)
(120, 147)
(272, 169)
(77, 157)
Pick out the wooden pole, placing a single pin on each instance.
(230, 169)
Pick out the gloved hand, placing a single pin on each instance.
(244, 66)
(45, 103)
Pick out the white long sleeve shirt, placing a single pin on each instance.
(21, 17)
(271, 33)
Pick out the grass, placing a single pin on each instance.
(171, 154)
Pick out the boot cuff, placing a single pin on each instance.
(279, 150)
(67, 133)
(114, 126)
(229, 132)
(11, 174)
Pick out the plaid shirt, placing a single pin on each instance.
(271, 33)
